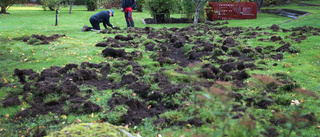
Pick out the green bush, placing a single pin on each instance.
(189, 10)
(80, 2)
(51, 4)
(161, 9)
(92, 5)
(6, 4)
(140, 4)
(276, 2)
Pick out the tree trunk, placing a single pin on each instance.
(199, 4)
(196, 17)
(160, 18)
(71, 4)
(259, 4)
(3, 9)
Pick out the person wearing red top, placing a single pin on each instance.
(126, 7)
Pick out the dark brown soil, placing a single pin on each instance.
(42, 38)
(168, 49)
(171, 20)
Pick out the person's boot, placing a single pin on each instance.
(85, 28)
(128, 24)
(132, 23)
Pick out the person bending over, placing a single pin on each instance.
(96, 19)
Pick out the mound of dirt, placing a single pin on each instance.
(171, 20)
(41, 39)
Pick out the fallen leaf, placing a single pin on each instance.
(64, 116)
(188, 125)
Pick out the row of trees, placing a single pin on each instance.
(160, 9)
(56, 4)
(193, 9)
(50, 4)
(6, 4)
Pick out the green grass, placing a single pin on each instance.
(77, 47)
(312, 2)
(263, 21)
(310, 20)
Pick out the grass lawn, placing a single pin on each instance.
(312, 2)
(214, 113)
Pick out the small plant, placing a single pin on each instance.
(187, 48)
(200, 38)
(183, 78)
(128, 69)
(199, 49)
(282, 76)
(224, 58)
(261, 61)
(34, 41)
(28, 97)
(148, 41)
(114, 116)
(241, 47)
(114, 77)
(283, 100)
(251, 55)
(217, 51)
(154, 55)
(267, 49)
(294, 49)
(288, 87)
(296, 119)
(51, 97)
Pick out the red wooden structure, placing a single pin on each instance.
(232, 10)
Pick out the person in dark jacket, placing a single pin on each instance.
(126, 7)
(96, 19)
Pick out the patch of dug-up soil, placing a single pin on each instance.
(171, 20)
(227, 62)
(41, 39)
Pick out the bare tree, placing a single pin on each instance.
(199, 4)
